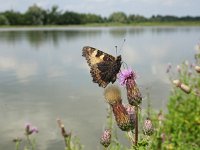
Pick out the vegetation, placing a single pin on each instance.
(178, 129)
(36, 15)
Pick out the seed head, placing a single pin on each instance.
(112, 95)
(182, 86)
(197, 68)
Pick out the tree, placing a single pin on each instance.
(69, 17)
(118, 17)
(3, 20)
(14, 18)
(35, 15)
(136, 18)
(52, 15)
(91, 18)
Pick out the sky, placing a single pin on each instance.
(146, 8)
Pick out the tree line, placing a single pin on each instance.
(36, 15)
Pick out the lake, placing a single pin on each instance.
(44, 77)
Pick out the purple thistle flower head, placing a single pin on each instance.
(106, 138)
(34, 130)
(29, 129)
(169, 66)
(148, 128)
(125, 75)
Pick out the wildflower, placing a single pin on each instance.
(29, 129)
(127, 77)
(106, 138)
(169, 66)
(132, 115)
(182, 86)
(113, 97)
(62, 128)
(34, 129)
(197, 68)
(148, 127)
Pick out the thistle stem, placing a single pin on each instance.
(136, 125)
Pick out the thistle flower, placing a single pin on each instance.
(148, 127)
(132, 115)
(29, 129)
(169, 66)
(127, 77)
(126, 74)
(182, 86)
(106, 138)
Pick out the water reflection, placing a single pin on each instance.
(43, 76)
(37, 38)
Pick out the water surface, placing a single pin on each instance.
(43, 76)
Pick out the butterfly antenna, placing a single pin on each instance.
(116, 50)
(122, 45)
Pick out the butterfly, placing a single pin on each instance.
(103, 67)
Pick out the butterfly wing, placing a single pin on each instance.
(103, 67)
(95, 56)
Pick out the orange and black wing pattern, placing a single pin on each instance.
(103, 67)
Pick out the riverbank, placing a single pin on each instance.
(178, 23)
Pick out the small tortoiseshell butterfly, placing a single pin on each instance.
(103, 67)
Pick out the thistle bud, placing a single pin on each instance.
(169, 66)
(121, 116)
(148, 127)
(132, 115)
(197, 68)
(133, 93)
(62, 129)
(106, 138)
(17, 140)
(182, 86)
(29, 129)
(127, 78)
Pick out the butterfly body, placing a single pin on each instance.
(103, 67)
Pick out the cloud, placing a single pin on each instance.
(23, 70)
(55, 72)
(7, 63)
